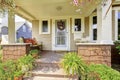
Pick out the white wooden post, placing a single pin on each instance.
(11, 27)
(105, 23)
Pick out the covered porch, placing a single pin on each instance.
(55, 23)
(63, 26)
(67, 26)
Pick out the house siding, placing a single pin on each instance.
(46, 39)
(86, 33)
(72, 42)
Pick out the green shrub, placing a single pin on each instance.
(25, 62)
(11, 68)
(7, 70)
(72, 64)
(18, 73)
(0, 58)
(117, 44)
(2, 72)
(35, 51)
(104, 72)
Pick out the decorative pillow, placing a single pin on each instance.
(34, 42)
(27, 41)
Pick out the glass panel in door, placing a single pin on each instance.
(60, 32)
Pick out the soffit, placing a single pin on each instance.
(51, 8)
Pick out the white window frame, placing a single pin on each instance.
(117, 9)
(40, 26)
(91, 28)
(82, 25)
(116, 24)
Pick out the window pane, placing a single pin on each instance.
(94, 34)
(77, 25)
(118, 29)
(24, 28)
(95, 20)
(94, 27)
(44, 26)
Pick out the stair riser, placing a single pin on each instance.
(52, 65)
(56, 76)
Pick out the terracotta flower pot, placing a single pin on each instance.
(35, 55)
(18, 78)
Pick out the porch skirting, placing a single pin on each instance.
(95, 53)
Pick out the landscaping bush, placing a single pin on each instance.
(117, 45)
(25, 63)
(104, 72)
(34, 53)
(11, 69)
(73, 65)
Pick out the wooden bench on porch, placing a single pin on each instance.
(33, 42)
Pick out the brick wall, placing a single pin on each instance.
(98, 54)
(13, 52)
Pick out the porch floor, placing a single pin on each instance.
(51, 56)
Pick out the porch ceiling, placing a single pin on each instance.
(36, 9)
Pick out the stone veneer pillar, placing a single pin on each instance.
(13, 51)
(95, 53)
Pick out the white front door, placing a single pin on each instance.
(60, 35)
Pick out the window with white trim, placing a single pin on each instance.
(118, 32)
(94, 27)
(44, 27)
(78, 25)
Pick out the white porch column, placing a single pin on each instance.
(99, 23)
(35, 28)
(11, 27)
(105, 23)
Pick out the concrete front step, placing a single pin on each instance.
(48, 78)
(43, 64)
(49, 71)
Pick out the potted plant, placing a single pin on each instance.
(18, 75)
(34, 53)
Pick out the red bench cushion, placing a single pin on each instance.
(33, 41)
